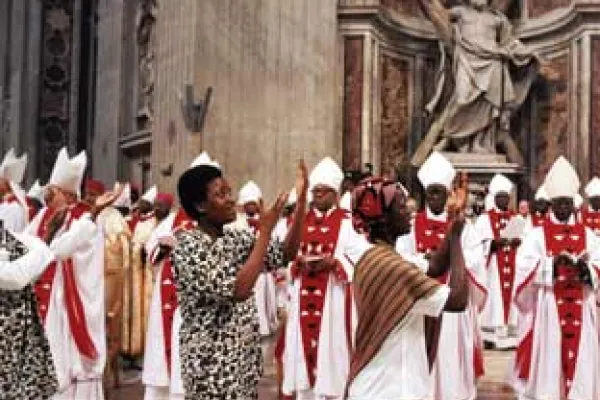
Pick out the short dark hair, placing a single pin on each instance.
(192, 187)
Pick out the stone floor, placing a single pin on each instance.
(491, 387)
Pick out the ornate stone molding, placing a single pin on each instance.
(550, 31)
(146, 42)
(55, 81)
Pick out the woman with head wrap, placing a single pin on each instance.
(215, 271)
(393, 296)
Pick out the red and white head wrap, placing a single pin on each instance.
(371, 198)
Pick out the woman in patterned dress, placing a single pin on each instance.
(215, 270)
(26, 367)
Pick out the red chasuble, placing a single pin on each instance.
(591, 219)
(319, 240)
(568, 293)
(429, 235)
(505, 257)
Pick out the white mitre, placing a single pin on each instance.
(437, 170)
(250, 192)
(327, 173)
(124, 199)
(562, 180)
(36, 191)
(204, 159)
(500, 184)
(592, 189)
(67, 173)
(13, 167)
(541, 193)
(150, 195)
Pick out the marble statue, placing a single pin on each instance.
(492, 72)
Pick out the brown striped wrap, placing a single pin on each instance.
(386, 287)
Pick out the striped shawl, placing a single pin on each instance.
(386, 287)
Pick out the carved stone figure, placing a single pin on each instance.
(146, 41)
(492, 72)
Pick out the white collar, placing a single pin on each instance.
(319, 214)
(443, 217)
(556, 221)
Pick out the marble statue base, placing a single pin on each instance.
(481, 168)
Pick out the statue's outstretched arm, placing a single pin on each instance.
(439, 16)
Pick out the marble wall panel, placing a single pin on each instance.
(395, 109)
(353, 101)
(407, 7)
(537, 8)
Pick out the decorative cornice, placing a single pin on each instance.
(550, 31)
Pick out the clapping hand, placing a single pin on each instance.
(301, 182)
(106, 200)
(457, 201)
(270, 216)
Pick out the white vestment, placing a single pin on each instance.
(400, 370)
(333, 356)
(155, 375)
(537, 304)
(14, 215)
(78, 376)
(493, 326)
(459, 336)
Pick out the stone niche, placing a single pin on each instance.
(385, 97)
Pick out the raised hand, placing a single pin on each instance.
(457, 201)
(269, 217)
(301, 181)
(106, 199)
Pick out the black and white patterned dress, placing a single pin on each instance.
(26, 367)
(220, 343)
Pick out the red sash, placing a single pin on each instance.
(591, 219)
(73, 303)
(505, 257)
(43, 286)
(319, 239)
(168, 291)
(429, 234)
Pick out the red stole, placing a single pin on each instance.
(568, 291)
(320, 238)
(505, 257)
(429, 234)
(168, 291)
(591, 219)
(73, 303)
(31, 209)
(132, 221)
(538, 219)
